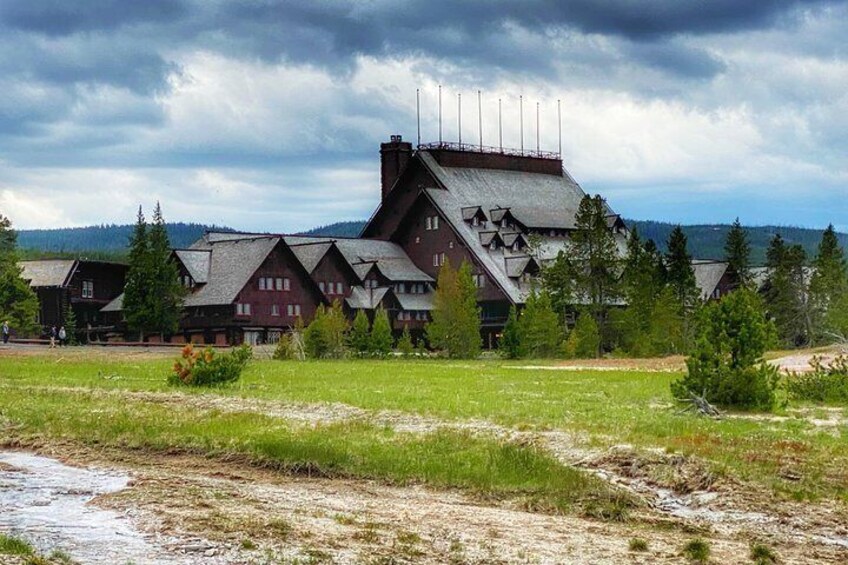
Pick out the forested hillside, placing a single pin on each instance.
(109, 241)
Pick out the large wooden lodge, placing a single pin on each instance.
(439, 202)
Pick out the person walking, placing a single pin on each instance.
(53, 334)
(6, 332)
(63, 337)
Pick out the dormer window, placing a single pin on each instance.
(475, 221)
(494, 245)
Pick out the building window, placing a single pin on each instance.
(275, 309)
(297, 310)
(435, 222)
(400, 288)
(435, 259)
(480, 281)
(432, 223)
(339, 288)
(515, 246)
(417, 240)
(262, 283)
(429, 223)
(279, 283)
(442, 259)
(494, 245)
(475, 221)
(88, 289)
(371, 283)
(450, 245)
(242, 309)
(321, 286)
(290, 310)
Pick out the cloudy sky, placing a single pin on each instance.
(268, 114)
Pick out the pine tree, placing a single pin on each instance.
(70, 323)
(584, 341)
(785, 291)
(405, 346)
(641, 283)
(510, 344)
(324, 337)
(680, 277)
(737, 253)
(558, 282)
(594, 255)
(18, 303)
(828, 286)
(380, 342)
(167, 292)
(539, 327)
(455, 325)
(138, 310)
(359, 337)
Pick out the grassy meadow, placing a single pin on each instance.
(80, 397)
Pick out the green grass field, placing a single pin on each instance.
(55, 397)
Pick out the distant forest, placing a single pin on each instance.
(109, 242)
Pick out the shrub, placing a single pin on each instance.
(324, 338)
(726, 366)
(762, 554)
(638, 544)
(290, 347)
(510, 343)
(697, 550)
(827, 383)
(539, 328)
(207, 368)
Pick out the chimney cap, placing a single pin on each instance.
(396, 138)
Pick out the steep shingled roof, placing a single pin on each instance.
(366, 298)
(196, 262)
(707, 275)
(309, 253)
(48, 273)
(232, 262)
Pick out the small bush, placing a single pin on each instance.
(827, 383)
(638, 544)
(762, 554)
(380, 341)
(208, 368)
(290, 347)
(697, 550)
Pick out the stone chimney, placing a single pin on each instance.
(394, 157)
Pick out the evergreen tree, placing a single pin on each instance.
(558, 282)
(584, 341)
(380, 342)
(595, 259)
(641, 282)
(405, 346)
(726, 364)
(324, 338)
(18, 303)
(455, 325)
(666, 335)
(510, 344)
(70, 323)
(828, 285)
(539, 331)
(137, 305)
(737, 252)
(167, 292)
(680, 277)
(785, 291)
(359, 337)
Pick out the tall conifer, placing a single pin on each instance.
(18, 302)
(828, 285)
(737, 252)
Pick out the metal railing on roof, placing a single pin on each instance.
(475, 148)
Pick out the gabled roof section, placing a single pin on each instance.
(519, 264)
(486, 237)
(366, 298)
(707, 275)
(116, 305)
(468, 212)
(48, 273)
(511, 237)
(196, 262)
(536, 200)
(232, 263)
(416, 301)
(309, 253)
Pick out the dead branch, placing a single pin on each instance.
(700, 405)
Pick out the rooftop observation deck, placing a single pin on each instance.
(468, 155)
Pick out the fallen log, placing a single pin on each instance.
(700, 405)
